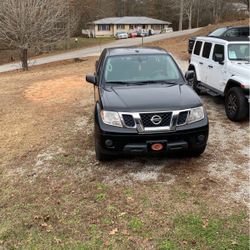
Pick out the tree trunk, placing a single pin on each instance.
(181, 15)
(198, 14)
(190, 18)
(24, 59)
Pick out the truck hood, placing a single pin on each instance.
(151, 97)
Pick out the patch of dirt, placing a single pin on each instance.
(59, 90)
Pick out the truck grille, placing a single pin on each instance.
(128, 120)
(147, 119)
(182, 118)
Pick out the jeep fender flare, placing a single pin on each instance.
(232, 82)
(193, 66)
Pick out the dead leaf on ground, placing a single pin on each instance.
(125, 232)
(113, 232)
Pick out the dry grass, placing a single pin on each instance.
(54, 195)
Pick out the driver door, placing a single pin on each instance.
(216, 68)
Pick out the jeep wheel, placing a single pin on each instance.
(194, 84)
(100, 156)
(236, 104)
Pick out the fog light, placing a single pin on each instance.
(109, 143)
(201, 138)
(157, 146)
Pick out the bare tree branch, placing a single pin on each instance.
(30, 24)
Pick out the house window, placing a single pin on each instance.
(120, 26)
(103, 27)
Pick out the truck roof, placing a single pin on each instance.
(135, 51)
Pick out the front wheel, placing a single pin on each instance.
(100, 156)
(236, 104)
(196, 152)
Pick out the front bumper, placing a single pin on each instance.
(133, 143)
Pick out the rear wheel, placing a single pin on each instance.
(194, 84)
(236, 104)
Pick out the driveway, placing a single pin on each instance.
(95, 50)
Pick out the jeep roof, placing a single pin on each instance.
(223, 40)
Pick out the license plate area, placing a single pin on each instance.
(157, 146)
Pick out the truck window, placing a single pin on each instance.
(218, 53)
(197, 48)
(206, 50)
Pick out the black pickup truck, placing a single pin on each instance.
(224, 33)
(143, 105)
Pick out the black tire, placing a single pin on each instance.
(194, 84)
(236, 105)
(100, 156)
(196, 152)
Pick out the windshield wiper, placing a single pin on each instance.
(143, 82)
(157, 81)
(117, 82)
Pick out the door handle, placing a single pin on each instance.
(210, 66)
(201, 63)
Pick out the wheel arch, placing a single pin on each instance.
(230, 84)
(192, 67)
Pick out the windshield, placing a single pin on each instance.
(238, 52)
(141, 68)
(218, 32)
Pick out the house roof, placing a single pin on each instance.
(129, 20)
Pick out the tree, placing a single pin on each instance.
(181, 14)
(28, 24)
(188, 6)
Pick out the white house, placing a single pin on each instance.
(109, 26)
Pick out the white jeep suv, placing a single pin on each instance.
(222, 68)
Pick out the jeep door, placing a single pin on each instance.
(204, 61)
(197, 61)
(216, 68)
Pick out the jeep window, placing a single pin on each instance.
(218, 53)
(239, 52)
(206, 50)
(197, 48)
(141, 68)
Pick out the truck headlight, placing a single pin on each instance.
(196, 114)
(111, 118)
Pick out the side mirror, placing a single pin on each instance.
(219, 58)
(91, 79)
(189, 75)
(221, 61)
